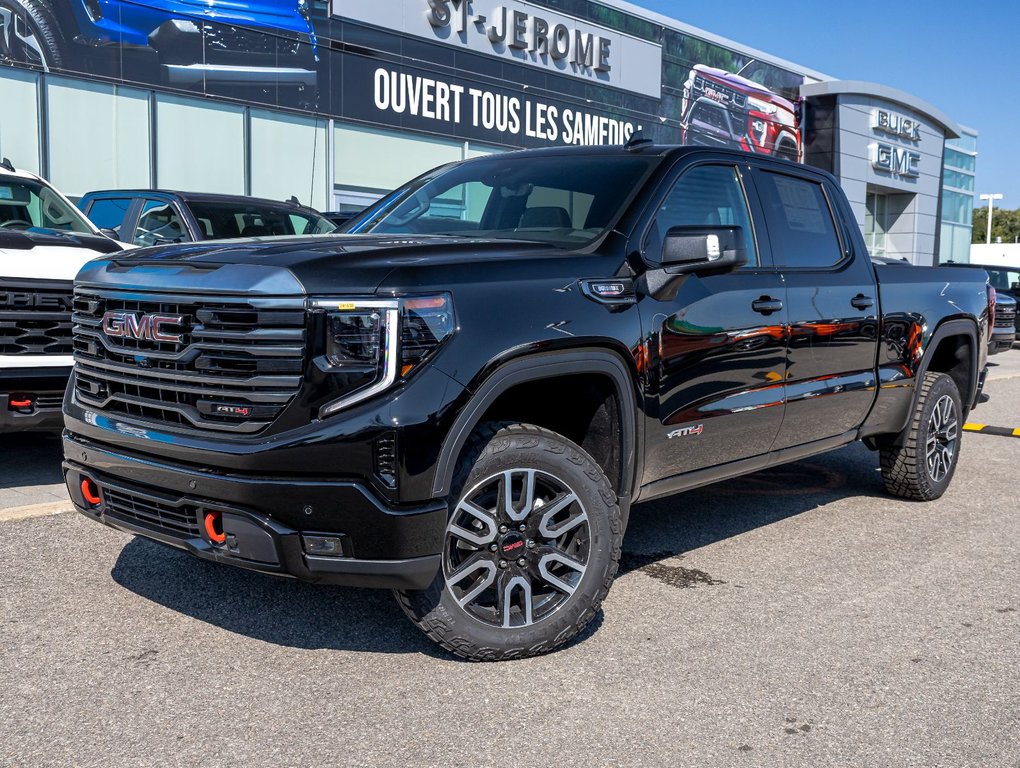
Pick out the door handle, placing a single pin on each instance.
(860, 301)
(766, 305)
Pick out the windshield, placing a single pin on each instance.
(566, 201)
(27, 204)
(1004, 279)
(229, 220)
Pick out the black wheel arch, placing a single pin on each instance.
(547, 365)
(956, 327)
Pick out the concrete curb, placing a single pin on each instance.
(47, 509)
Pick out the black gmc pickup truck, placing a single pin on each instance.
(462, 399)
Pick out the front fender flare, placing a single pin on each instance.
(542, 366)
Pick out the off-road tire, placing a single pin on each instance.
(501, 447)
(905, 468)
(42, 21)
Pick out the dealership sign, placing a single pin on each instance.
(895, 160)
(521, 33)
(896, 125)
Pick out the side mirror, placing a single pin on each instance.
(703, 250)
(110, 233)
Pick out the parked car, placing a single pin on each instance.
(214, 45)
(1004, 279)
(155, 217)
(722, 109)
(1004, 332)
(463, 404)
(44, 241)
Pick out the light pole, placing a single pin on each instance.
(991, 201)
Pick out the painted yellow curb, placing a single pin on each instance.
(35, 510)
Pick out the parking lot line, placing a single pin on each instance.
(988, 429)
(35, 510)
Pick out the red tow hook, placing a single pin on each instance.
(90, 492)
(214, 527)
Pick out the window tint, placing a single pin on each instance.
(159, 224)
(705, 195)
(226, 220)
(800, 223)
(109, 213)
(26, 204)
(562, 200)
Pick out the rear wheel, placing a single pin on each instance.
(30, 34)
(921, 464)
(531, 547)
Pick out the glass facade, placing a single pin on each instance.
(957, 213)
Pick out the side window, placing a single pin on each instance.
(158, 224)
(109, 212)
(801, 226)
(703, 196)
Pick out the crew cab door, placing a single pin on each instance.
(832, 300)
(716, 351)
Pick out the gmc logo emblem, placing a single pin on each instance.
(128, 325)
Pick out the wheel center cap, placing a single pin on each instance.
(512, 545)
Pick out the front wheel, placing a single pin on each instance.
(921, 464)
(531, 547)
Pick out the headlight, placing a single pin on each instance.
(761, 106)
(374, 343)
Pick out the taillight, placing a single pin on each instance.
(991, 306)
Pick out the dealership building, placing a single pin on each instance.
(338, 102)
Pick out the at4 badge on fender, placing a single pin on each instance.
(686, 431)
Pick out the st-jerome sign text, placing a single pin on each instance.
(519, 33)
(558, 39)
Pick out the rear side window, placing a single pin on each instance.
(109, 212)
(800, 223)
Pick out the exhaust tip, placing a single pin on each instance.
(214, 527)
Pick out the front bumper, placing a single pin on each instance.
(1001, 341)
(382, 546)
(43, 388)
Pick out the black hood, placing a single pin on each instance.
(26, 240)
(323, 264)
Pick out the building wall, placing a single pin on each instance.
(959, 164)
(912, 202)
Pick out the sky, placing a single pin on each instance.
(963, 58)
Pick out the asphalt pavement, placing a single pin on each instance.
(796, 617)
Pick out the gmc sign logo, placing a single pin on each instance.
(19, 300)
(129, 325)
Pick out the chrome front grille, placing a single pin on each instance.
(238, 363)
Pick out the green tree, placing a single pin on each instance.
(1005, 224)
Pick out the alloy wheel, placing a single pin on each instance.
(943, 432)
(517, 547)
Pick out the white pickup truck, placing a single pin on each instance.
(44, 241)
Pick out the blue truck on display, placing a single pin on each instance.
(261, 44)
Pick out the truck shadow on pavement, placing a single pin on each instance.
(32, 459)
(297, 615)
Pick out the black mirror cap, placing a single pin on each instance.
(703, 249)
